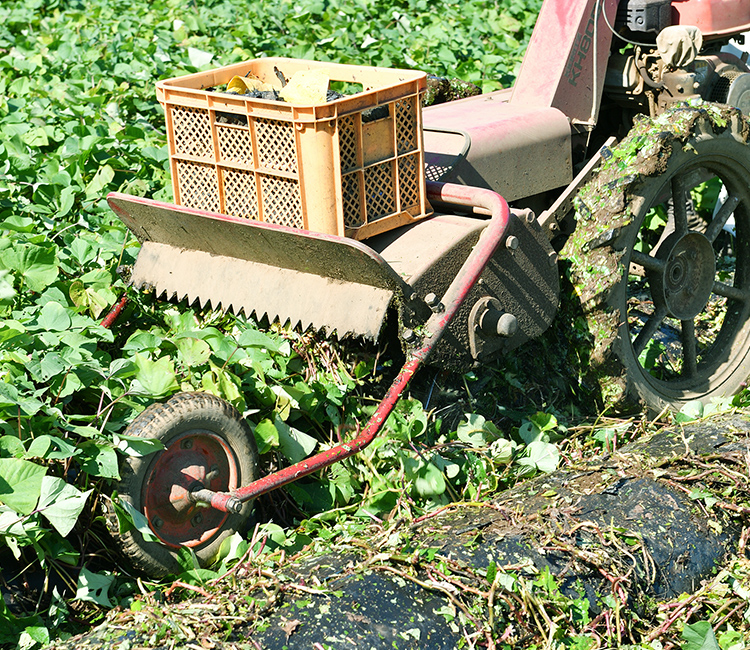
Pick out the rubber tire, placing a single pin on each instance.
(165, 421)
(728, 155)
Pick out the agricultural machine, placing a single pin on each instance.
(622, 150)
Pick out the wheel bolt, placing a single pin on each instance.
(213, 472)
(186, 444)
(196, 521)
(158, 523)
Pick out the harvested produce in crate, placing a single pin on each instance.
(353, 166)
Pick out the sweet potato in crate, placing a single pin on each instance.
(353, 166)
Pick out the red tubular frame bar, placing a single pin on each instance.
(480, 200)
(113, 313)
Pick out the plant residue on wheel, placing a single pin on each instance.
(596, 249)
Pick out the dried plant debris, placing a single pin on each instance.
(619, 549)
(444, 89)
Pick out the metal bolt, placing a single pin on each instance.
(158, 523)
(494, 322)
(530, 216)
(213, 472)
(234, 506)
(196, 521)
(553, 258)
(512, 242)
(507, 325)
(186, 444)
(409, 336)
(434, 303)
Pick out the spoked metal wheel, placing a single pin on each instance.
(208, 445)
(684, 298)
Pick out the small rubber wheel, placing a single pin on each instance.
(205, 441)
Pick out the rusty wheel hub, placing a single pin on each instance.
(193, 460)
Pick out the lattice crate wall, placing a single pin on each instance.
(354, 166)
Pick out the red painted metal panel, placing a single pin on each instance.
(713, 17)
(514, 149)
(558, 70)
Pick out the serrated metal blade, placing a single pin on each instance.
(280, 294)
(309, 279)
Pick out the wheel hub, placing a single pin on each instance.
(193, 460)
(687, 279)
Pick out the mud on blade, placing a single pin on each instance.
(304, 278)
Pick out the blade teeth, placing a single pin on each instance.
(316, 303)
(304, 324)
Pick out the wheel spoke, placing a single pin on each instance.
(721, 218)
(647, 262)
(729, 291)
(679, 205)
(689, 349)
(649, 329)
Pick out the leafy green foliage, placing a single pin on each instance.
(699, 636)
(79, 118)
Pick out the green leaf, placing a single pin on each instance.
(139, 521)
(32, 635)
(699, 636)
(708, 497)
(37, 264)
(274, 533)
(429, 481)
(11, 446)
(67, 200)
(20, 484)
(9, 396)
(266, 436)
(544, 421)
(541, 455)
(491, 572)
(39, 447)
(61, 503)
(54, 317)
(530, 432)
(94, 587)
(99, 459)
(87, 299)
(427, 477)
(199, 58)
(193, 352)
(252, 338)
(99, 182)
(293, 443)
(136, 446)
(690, 412)
(503, 451)
(7, 292)
(473, 431)
(154, 378)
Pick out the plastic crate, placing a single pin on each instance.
(353, 167)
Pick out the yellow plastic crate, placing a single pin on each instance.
(353, 167)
